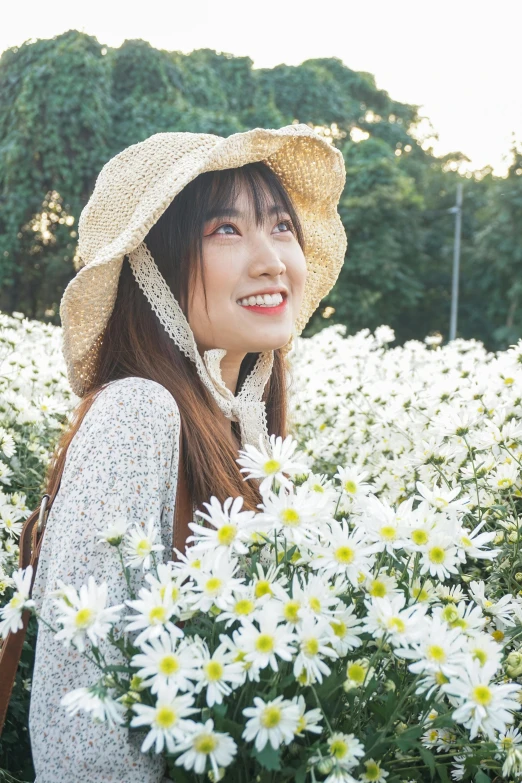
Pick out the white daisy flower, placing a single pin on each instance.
(308, 721)
(218, 673)
(471, 543)
(272, 464)
(346, 627)
(274, 721)
(85, 615)
(263, 645)
(204, 744)
(166, 661)
(139, 545)
(155, 611)
(483, 706)
(346, 749)
(403, 625)
(313, 638)
(374, 772)
(291, 513)
(215, 585)
(439, 557)
(114, 533)
(230, 528)
(11, 613)
(442, 498)
(168, 719)
(352, 482)
(10, 521)
(96, 701)
(502, 610)
(345, 552)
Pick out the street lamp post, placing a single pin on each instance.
(457, 211)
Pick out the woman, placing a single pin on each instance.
(168, 348)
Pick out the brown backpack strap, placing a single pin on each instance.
(11, 647)
(30, 544)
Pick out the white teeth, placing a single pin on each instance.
(265, 300)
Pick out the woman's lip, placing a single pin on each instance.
(266, 310)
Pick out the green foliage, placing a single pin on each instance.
(68, 104)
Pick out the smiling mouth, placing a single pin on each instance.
(265, 301)
(267, 308)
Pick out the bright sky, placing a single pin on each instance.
(458, 59)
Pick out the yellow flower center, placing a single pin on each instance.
(291, 611)
(205, 743)
(436, 653)
(226, 534)
(339, 628)
(157, 615)
(83, 617)
(480, 656)
(338, 748)
(388, 532)
(143, 547)
(482, 695)
(271, 467)
(317, 488)
(301, 725)
(168, 665)
(440, 679)
(214, 671)
(315, 604)
(466, 541)
(351, 487)
(377, 589)
(395, 623)
(165, 717)
(356, 673)
(373, 770)
(344, 555)
(419, 537)
(264, 643)
(290, 517)
(498, 636)
(270, 717)
(437, 555)
(262, 588)
(244, 606)
(311, 647)
(213, 585)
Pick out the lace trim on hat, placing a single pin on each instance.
(247, 407)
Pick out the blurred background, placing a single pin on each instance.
(422, 99)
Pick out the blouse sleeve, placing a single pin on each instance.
(124, 456)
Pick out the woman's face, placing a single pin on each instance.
(242, 260)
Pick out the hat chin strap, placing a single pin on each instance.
(247, 407)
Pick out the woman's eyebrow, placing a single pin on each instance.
(212, 214)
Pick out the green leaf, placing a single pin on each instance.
(269, 758)
(481, 777)
(428, 759)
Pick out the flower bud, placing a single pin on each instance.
(514, 664)
(215, 778)
(325, 766)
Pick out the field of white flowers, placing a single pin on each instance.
(365, 624)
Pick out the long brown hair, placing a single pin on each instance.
(135, 343)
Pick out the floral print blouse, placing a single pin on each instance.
(123, 458)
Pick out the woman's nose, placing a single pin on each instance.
(266, 259)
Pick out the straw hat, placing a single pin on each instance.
(136, 186)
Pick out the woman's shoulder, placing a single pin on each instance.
(134, 394)
(132, 407)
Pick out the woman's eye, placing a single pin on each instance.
(225, 225)
(287, 224)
